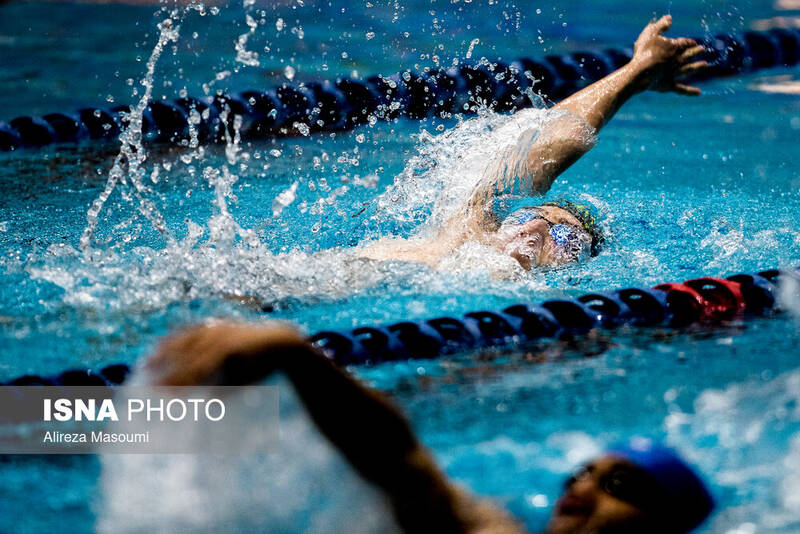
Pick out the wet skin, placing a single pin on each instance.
(532, 245)
(608, 496)
(589, 504)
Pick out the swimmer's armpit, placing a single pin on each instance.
(540, 154)
(531, 165)
(369, 431)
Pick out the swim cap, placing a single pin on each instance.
(588, 221)
(688, 499)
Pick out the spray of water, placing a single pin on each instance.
(221, 257)
(128, 165)
(272, 492)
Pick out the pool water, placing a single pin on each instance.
(685, 188)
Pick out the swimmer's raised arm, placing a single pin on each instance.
(658, 63)
(371, 433)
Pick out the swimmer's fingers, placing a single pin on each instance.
(688, 90)
(691, 53)
(199, 354)
(662, 25)
(682, 43)
(182, 359)
(182, 344)
(690, 68)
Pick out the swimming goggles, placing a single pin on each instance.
(624, 483)
(565, 236)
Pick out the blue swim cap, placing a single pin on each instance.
(688, 498)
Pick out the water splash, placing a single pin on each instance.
(244, 56)
(284, 198)
(222, 258)
(305, 486)
(128, 165)
(449, 168)
(728, 243)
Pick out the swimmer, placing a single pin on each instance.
(554, 233)
(632, 488)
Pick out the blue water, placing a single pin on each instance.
(685, 187)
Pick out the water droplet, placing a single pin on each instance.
(283, 199)
(302, 128)
(289, 72)
(472, 46)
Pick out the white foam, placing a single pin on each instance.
(221, 257)
(739, 433)
(306, 486)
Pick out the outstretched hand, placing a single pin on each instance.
(197, 355)
(665, 61)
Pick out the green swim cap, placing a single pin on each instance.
(584, 214)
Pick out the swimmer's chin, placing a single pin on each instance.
(551, 264)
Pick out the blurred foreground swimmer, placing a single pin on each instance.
(552, 233)
(635, 487)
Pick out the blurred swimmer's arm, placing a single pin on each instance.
(368, 430)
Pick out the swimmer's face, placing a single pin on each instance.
(609, 495)
(532, 243)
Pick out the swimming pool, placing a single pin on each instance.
(686, 187)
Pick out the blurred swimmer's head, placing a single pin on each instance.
(635, 487)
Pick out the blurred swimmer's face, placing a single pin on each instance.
(609, 495)
(543, 236)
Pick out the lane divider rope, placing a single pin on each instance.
(341, 104)
(706, 301)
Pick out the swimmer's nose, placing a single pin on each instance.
(536, 226)
(523, 259)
